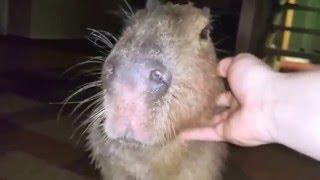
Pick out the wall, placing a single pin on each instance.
(54, 19)
(19, 17)
(57, 19)
(4, 17)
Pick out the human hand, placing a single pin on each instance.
(248, 120)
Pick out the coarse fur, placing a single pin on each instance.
(177, 36)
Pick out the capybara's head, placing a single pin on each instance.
(160, 76)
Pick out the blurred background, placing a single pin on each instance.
(40, 39)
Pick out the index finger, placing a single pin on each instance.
(201, 134)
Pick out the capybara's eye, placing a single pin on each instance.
(160, 80)
(205, 33)
(157, 76)
(161, 77)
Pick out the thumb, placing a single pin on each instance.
(201, 134)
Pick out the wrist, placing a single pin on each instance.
(294, 108)
(285, 107)
(271, 106)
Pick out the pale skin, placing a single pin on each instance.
(265, 107)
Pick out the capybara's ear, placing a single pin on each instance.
(206, 12)
(152, 4)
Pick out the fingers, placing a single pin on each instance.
(223, 66)
(220, 118)
(219, 130)
(224, 99)
(214, 131)
(245, 59)
(201, 134)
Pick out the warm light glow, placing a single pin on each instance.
(288, 23)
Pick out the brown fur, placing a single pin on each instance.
(170, 33)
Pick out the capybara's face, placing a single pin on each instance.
(159, 78)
